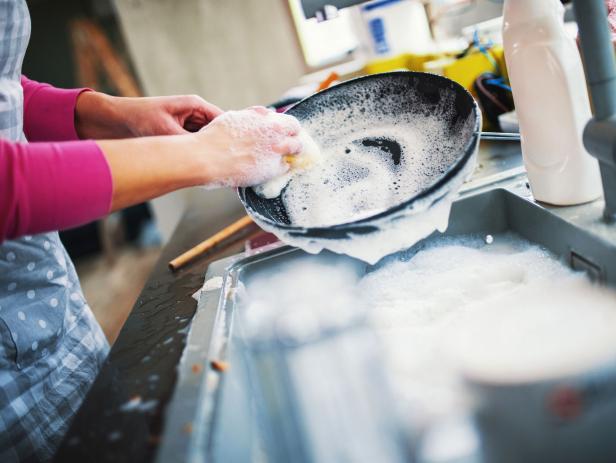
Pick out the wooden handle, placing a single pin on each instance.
(208, 244)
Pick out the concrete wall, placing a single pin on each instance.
(235, 53)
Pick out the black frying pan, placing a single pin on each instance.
(389, 94)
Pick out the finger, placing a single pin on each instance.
(197, 106)
(211, 111)
(290, 146)
(172, 127)
(289, 124)
(283, 129)
(260, 110)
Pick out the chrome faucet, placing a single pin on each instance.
(600, 69)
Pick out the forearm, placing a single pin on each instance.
(54, 186)
(99, 117)
(144, 168)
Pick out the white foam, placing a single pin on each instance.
(393, 233)
(507, 311)
(254, 131)
(302, 296)
(359, 179)
(308, 158)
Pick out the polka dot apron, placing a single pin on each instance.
(51, 347)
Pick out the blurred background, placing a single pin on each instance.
(235, 53)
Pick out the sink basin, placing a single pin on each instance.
(220, 405)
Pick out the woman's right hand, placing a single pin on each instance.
(247, 147)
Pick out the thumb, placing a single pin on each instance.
(172, 126)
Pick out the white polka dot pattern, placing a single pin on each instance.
(48, 327)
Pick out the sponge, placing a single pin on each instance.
(310, 155)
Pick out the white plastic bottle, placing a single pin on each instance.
(549, 92)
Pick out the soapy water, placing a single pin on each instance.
(508, 311)
(242, 129)
(373, 161)
(309, 157)
(310, 295)
(365, 172)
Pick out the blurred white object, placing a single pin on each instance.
(452, 441)
(396, 26)
(490, 30)
(324, 41)
(549, 91)
(509, 122)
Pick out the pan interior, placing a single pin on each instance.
(385, 141)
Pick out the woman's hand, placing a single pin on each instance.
(239, 148)
(99, 116)
(245, 148)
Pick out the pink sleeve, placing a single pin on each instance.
(49, 112)
(51, 186)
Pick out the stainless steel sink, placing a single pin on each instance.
(219, 406)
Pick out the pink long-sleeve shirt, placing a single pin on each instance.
(55, 182)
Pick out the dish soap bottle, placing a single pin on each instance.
(549, 92)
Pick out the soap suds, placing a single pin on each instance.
(448, 308)
(241, 129)
(507, 311)
(309, 157)
(377, 154)
(310, 294)
(369, 171)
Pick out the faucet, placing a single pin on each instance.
(600, 69)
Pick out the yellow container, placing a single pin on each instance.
(466, 70)
(405, 61)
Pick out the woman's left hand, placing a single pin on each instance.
(99, 116)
